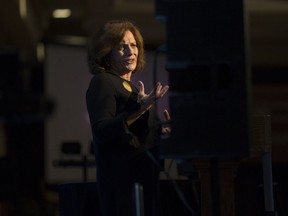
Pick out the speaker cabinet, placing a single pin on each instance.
(209, 78)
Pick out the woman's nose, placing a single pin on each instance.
(129, 50)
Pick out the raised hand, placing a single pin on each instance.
(148, 99)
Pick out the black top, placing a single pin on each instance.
(110, 99)
(120, 163)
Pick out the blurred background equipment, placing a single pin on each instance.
(209, 77)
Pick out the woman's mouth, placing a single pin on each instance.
(129, 61)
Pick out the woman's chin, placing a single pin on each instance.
(130, 68)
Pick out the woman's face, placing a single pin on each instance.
(124, 55)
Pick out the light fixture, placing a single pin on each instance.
(23, 9)
(40, 52)
(61, 13)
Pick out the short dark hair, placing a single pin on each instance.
(106, 38)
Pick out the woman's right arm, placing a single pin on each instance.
(101, 105)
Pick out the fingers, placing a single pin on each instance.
(142, 88)
(166, 130)
(160, 90)
(166, 115)
(163, 91)
(157, 92)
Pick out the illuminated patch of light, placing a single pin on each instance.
(23, 8)
(61, 13)
(40, 52)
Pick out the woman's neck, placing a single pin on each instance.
(126, 76)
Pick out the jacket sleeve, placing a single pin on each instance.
(101, 106)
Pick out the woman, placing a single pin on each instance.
(119, 117)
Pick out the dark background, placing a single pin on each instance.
(24, 106)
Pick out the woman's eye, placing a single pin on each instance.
(121, 47)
